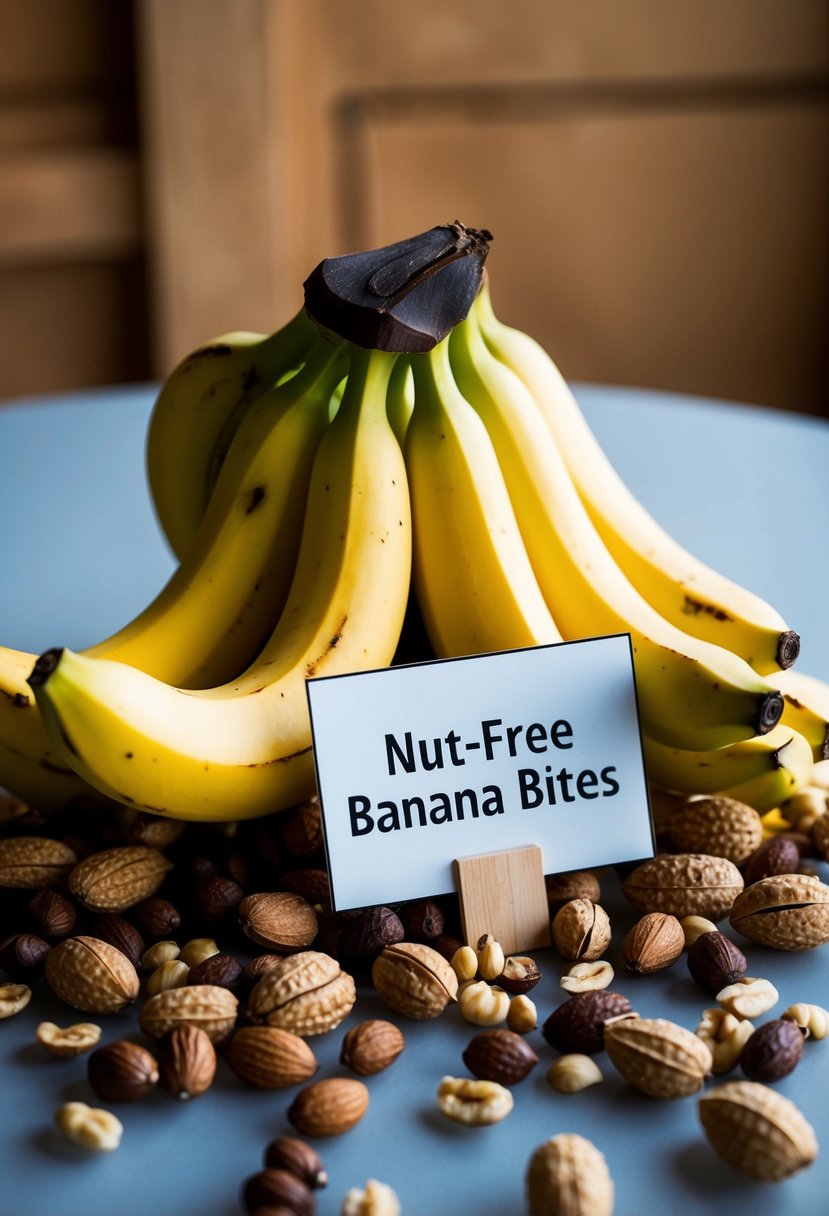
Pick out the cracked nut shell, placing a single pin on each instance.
(784, 911)
(307, 993)
(414, 980)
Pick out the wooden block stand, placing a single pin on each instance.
(504, 894)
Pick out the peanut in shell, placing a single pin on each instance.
(784, 911)
(684, 884)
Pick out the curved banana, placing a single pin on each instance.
(244, 749)
(471, 573)
(771, 767)
(695, 598)
(691, 693)
(805, 707)
(196, 413)
(221, 603)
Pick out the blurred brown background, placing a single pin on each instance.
(656, 177)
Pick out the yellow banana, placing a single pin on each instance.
(244, 749)
(769, 767)
(691, 595)
(691, 693)
(218, 608)
(805, 707)
(198, 408)
(471, 573)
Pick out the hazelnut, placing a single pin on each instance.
(578, 1024)
(220, 969)
(156, 918)
(52, 914)
(23, 956)
(772, 1051)
(122, 1071)
(117, 931)
(520, 974)
(298, 1157)
(368, 933)
(499, 1055)
(371, 1046)
(777, 855)
(277, 1188)
(714, 961)
(422, 920)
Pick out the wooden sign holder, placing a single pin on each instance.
(504, 894)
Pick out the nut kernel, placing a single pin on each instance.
(484, 1004)
(522, 1015)
(588, 977)
(725, 1036)
(694, 927)
(197, 950)
(376, 1199)
(474, 1103)
(172, 974)
(813, 1020)
(13, 998)
(749, 997)
(491, 957)
(571, 1073)
(89, 1127)
(158, 953)
(71, 1041)
(464, 963)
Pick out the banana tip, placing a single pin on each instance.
(45, 665)
(788, 648)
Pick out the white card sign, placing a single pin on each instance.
(421, 764)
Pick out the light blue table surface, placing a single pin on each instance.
(80, 552)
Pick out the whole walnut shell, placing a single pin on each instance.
(415, 980)
(581, 930)
(307, 993)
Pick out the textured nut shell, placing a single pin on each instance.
(278, 920)
(655, 942)
(658, 1057)
(578, 1024)
(684, 884)
(34, 861)
(212, 1008)
(581, 930)
(91, 975)
(720, 826)
(568, 1176)
(413, 979)
(715, 961)
(757, 1130)
(114, 879)
(500, 1055)
(270, 1058)
(328, 1107)
(371, 1046)
(785, 911)
(306, 993)
(186, 1061)
(772, 1051)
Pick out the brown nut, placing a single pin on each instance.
(307, 993)
(122, 1071)
(34, 861)
(658, 1057)
(186, 1061)
(156, 918)
(684, 884)
(717, 825)
(115, 879)
(91, 975)
(772, 1051)
(277, 1189)
(278, 920)
(499, 1055)
(212, 1008)
(581, 930)
(368, 932)
(23, 956)
(269, 1057)
(575, 884)
(568, 1176)
(520, 974)
(221, 969)
(52, 914)
(653, 944)
(777, 855)
(120, 933)
(328, 1107)
(371, 1046)
(785, 911)
(297, 1156)
(414, 980)
(756, 1130)
(714, 961)
(578, 1024)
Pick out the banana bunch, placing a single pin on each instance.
(313, 489)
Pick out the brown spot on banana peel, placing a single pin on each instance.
(692, 607)
(255, 499)
(333, 643)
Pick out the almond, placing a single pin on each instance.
(654, 943)
(371, 1046)
(186, 1061)
(278, 920)
(328, 1107)
(270, 1058)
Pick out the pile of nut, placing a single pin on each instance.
(225, 940)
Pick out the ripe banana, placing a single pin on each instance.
(244, 749)
(805, 707)
(197, 411)
(471, 573)
(689, 594)
(691, 693)
(221, 603)
(767, 769)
